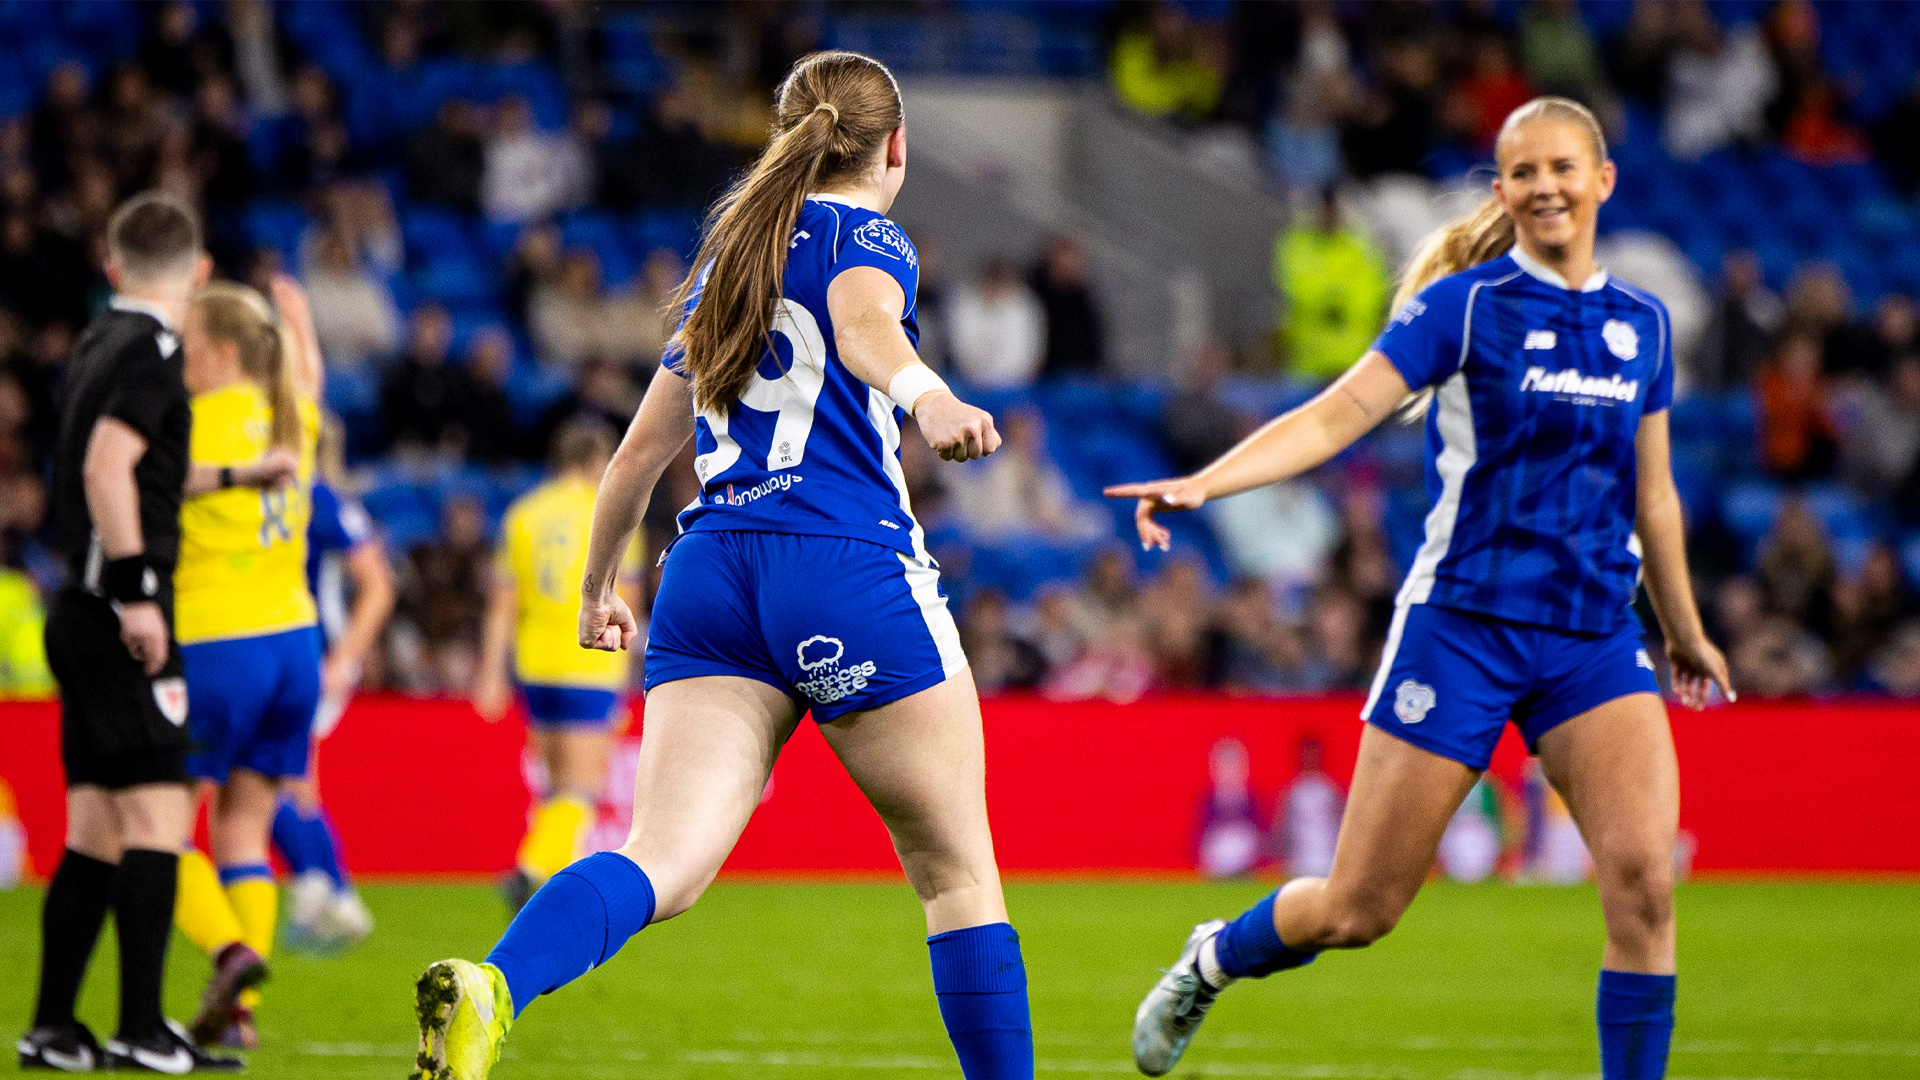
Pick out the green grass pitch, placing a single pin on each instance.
(1779, 981)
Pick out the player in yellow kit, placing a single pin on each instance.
(245, 619)
(573, 696)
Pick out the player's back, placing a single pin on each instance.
(243, 550)
(543, 550)
(809, 448)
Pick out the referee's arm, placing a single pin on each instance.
(113, 502)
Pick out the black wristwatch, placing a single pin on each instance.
(226, 476)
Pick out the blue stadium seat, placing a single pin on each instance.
(277, 224)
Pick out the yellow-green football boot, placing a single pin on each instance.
(465, 1011)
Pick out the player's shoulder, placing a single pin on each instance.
(1635, 295)
(877, 234)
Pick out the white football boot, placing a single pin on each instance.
(1172, 1011)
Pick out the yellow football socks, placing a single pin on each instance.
(556, 838)
(201, 909)
(256, 900)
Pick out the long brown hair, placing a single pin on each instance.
(239, 314)
(831, 115)
(1487, 233)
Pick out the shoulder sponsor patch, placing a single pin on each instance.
(883, 237)
(1410, 311)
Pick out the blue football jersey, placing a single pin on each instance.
(809, 448)
(1539, 391)
(337, 526)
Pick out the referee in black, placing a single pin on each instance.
(120, 465)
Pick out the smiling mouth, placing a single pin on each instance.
(1551, 213)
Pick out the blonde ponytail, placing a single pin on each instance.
(832, 114)
(239, 314)
(1487, 233)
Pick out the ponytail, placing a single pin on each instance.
(832, 114)
(239, 314)
(1487, 233)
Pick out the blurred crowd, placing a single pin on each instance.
(491, 205)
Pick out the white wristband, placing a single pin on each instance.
(911, 383)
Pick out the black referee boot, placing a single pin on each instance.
(170, 1050)
(62, 1048)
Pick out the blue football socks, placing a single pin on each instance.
(306, 843)
(1636, 1025)
(575, 923)
(982, 985)
(1250, 947)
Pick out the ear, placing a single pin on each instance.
(112, 267)
(1609, 175)
(203, 270)
(897, 148)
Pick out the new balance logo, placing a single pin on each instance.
(1540, 339)
(1642, 659)
(1574, 384)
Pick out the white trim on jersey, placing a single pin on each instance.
(880, 415)
(1460, 449)
(1552, 277)
(924, 582)
(1388, 652)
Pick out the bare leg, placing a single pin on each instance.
(922, 764)
(1401, 799)
(241, 820)
(705, 754)
(93, 823)
(576, 761)
(1615, 767)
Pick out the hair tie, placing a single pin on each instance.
(831, 111)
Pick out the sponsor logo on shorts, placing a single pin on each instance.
(1641, 658)
(1412, 701)
(1622, 340)
(171, 695)
(827, 681)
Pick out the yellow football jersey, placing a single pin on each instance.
(543, 551)
(243, 550)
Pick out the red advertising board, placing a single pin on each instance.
(426, 788)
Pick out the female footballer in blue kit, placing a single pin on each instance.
(1550, 484)
(800, 581)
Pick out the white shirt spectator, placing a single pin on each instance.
(1719, 87)
(527, 171)
(996, 330)
(1282, 533)
(1019, 491)
(353, 314)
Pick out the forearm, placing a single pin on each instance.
(496, 631)
(113, 501)
(1661, 529)
(617, 512)
(373, 599)
(874, 348)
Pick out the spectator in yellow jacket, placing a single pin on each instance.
(1335, 284)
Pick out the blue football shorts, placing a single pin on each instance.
(251, 702)
(1449, 681)
(578, 708)
(840, 625)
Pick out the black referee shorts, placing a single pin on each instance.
(119, 728)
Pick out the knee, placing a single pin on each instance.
(1361, 923)
(1638, 890)
(676, 887)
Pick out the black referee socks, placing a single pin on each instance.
(70, 918)
(143, 914)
